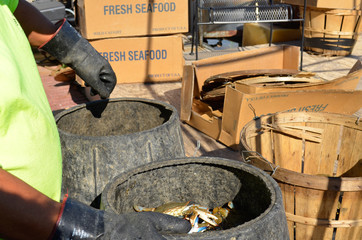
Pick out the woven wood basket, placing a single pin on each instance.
(331, 32)
(316, 158)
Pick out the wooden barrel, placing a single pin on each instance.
(316, 158)
(331, 32)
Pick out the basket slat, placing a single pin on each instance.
(349, 24)
(288, 151)
(356, 168)
(288, 201)
(351, 208)
(333, 23)
(324, 222)
(312, 153)
(315, 204)
(252, 141)
(349, 144)
(317, 21)
(329, 149)
(355, 162)
(266, 145)
(306, 133)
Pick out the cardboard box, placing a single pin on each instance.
(241, 107)
(144, 59)
(338, 4)
(112, 18)
(278, 57)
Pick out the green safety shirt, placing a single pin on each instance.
(29, 141)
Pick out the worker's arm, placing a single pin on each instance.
(65, 44)
(25, 212)
(35, 25)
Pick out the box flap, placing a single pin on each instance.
(275, 57)
(210, 126)
(187, 90)
(357, 66)
(348, 82)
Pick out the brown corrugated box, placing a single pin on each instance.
(143, 59)
(112, 18)
(241, 107)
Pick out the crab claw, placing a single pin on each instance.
(207, 217)
(143, 209)
(193, 219)
(195, 227)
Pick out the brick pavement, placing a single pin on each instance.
(61, 95)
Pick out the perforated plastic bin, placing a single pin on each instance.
(103, 138)
(211, 182)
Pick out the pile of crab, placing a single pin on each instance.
(200, 217)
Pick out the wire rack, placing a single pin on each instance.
(225, 12)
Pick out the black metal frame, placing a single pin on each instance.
(210, 9)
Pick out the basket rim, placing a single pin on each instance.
(347, 184)
(58, 117)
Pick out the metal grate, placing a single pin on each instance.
(241, 11)
(232, 3)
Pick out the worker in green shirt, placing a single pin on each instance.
(30, 152)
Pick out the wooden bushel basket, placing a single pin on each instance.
(331, 32)
(316, 158)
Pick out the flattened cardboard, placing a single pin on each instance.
(336, 96)
(347, 83)
(111, 18)
(144, 59)
(275, 57)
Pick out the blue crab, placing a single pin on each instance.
(191, 212)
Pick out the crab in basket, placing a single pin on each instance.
(200, 217)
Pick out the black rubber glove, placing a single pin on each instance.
(79, 221)
(70, 48)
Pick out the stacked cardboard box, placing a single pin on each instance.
(141, 39)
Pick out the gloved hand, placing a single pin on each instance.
(70, 48)
(79, 221)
